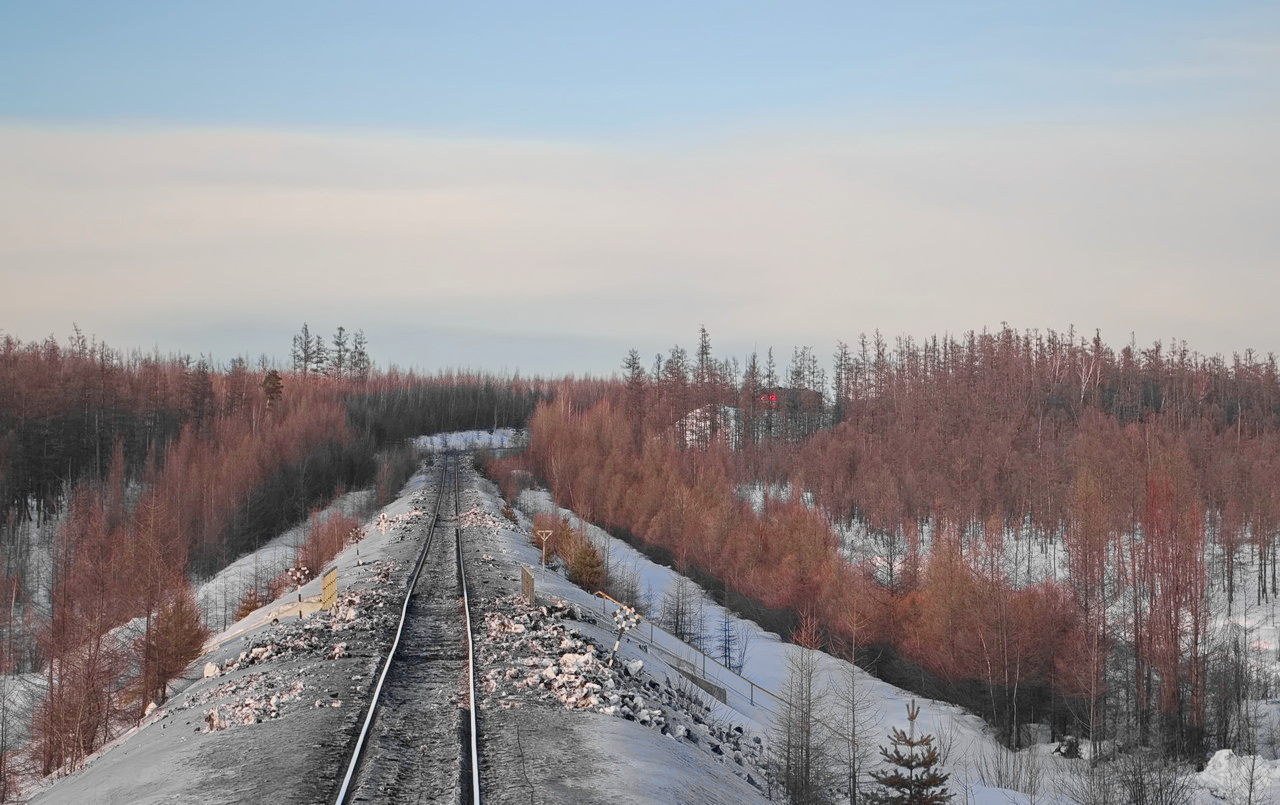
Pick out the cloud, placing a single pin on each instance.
(799, 238)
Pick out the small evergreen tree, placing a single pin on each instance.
(272, 387)
(585, 567)
(913, 777)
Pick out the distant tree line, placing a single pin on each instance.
(401, 406)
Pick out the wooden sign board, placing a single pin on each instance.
(526, 584)
(329, 589)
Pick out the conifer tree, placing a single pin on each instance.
(272, 387)
(913, 777)
(338, 356)
(726, 641)
(303, 351)
(358, 362)
(319, 355)
(636, 381)
(749, 402)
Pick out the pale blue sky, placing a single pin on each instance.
(935, 166)
(601, 68)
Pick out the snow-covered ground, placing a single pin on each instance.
(664, 740)
(268, 713)
(498, 438)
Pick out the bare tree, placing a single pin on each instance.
(801, 759)
(743, 650)
(303, 353)
(682, 612)
(853, 723)
(1251, 775)
(1140, 778)
(624, 586)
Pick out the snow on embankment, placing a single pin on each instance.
(264, 715)
(219, 596)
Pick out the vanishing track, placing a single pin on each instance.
(418, 743)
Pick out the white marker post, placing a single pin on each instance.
(624, 620)
(544, 536)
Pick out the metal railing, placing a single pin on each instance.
(683, 657)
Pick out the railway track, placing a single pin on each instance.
(419, 741)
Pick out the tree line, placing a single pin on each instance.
(966, 464)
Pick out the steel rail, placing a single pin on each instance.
(471, 654)
(395, 643)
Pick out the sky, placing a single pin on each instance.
(540, 187)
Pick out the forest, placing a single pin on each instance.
(1037, 526)
(127, 478)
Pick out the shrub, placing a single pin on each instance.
(251, 602)
(176, 637)
(586, 568)
(281, 584)
(325, 540)
(583, 562)
(395, 467)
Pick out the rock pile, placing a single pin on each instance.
(531, 654)
(402, 523)
(363, 610)
(478, 517)
(262, 702)
(251, 697)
